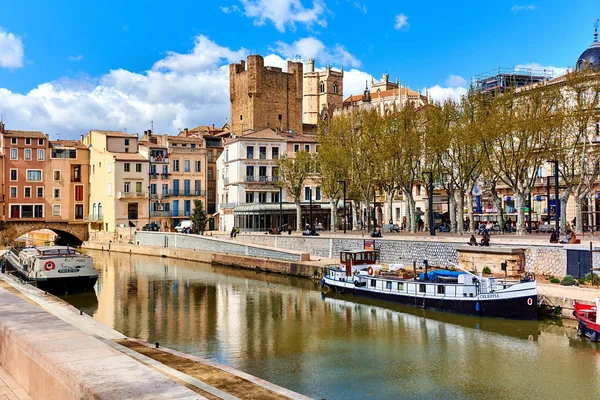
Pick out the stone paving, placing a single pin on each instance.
(10, 389)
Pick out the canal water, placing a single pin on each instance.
(284, 330)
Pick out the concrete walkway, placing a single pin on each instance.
(10, 389)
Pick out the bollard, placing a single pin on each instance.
(156, 345)
(80, 312)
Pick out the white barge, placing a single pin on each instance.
(57, 269)
(454, 291)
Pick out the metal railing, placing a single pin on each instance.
(227, 206)
(160, 214)
(93, 218)
(260, 179)
(183, 192)
(132, 195)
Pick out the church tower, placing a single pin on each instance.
(323, 93)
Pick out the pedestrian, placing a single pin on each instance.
(232, 234)
(553, 237)
(237, 231)
(473, 241)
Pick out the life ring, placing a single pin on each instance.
(49, 266)
(529, 301)
(370, 270)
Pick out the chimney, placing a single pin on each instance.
(186, 132)
(213, 127)
(149, 132)
(81, 138)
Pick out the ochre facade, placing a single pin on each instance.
(265, 97)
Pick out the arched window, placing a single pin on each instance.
(322, 87)
(100, 211)
(95, 211)
(335, 88)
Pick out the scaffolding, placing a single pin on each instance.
(500, 79)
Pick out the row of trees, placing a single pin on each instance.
(483, 139)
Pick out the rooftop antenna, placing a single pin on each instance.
(125, 130)
(152, 125)
(58, 136)
(596, 30)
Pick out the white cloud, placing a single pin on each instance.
(282, 13)
(455, 81)
(402, 22)
(439, 93)
(354, 82)
(535, 67)
(180, 90)
(311, 47)
(517, 8)
(230, 9)
(11, 50)
(76, 58)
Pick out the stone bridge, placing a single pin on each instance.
(68, 233)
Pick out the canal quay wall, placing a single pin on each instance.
(540, 258)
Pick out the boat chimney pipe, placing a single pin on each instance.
(415, 269)
(426, 263)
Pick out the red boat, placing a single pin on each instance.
(589, 322)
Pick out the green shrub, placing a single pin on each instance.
(554, 280)
(486, 271)
(581, 281)
(588, 277)
(568, 280)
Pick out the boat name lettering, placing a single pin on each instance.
(489, 296)
(67, 270)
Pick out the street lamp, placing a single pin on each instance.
(280, 209)
(431, 220)
(344, 220)
(556, 201)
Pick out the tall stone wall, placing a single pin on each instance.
(265, 97)
(539, 259)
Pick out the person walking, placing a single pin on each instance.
(232, 234)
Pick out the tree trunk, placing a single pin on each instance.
(427, 211)
(407, 212)
(357, 216)
(333, 204)
(368, 218)
(299, 226)
(564, 201)
(461, 212)
(499, 209)
(578, 216)
(521, 212)
(452, 214)
(470, 210)
(390, 200)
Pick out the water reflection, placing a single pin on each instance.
(337, 347)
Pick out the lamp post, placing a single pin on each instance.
(280, 209)
(556, 200)
(431, 220)
(548, 198)
(344, 219)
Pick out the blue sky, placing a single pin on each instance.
(70, 66)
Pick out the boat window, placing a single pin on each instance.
(441, 289)
(421, 288)
(388, 285)
(358, 257)
(400, 285)
(373, 282)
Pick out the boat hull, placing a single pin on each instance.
(518, 307)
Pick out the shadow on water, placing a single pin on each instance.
(86, 301)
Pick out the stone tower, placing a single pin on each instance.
(323, 93)
(265, 97)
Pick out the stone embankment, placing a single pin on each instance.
(53, 351)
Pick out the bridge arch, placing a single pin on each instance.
(71, 234)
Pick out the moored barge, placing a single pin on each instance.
(447, 290)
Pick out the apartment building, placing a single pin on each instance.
(67, 182)
(119, 180)
(24, 173)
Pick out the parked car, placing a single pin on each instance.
(184, 225)
(152, 226)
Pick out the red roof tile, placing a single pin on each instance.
(25, 134)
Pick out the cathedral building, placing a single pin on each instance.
(323, 93)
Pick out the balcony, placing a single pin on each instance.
(262, 156)
(165, 175)
(76, 179)
(154, 195)
(187, 150)
(159, 160)
(225, 181)
(160, 214)
(132, 195)
(93, 218)
(227, 206)
(153, 176)
(179, 193)
(260, 179)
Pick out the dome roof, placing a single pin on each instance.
(592, 55)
